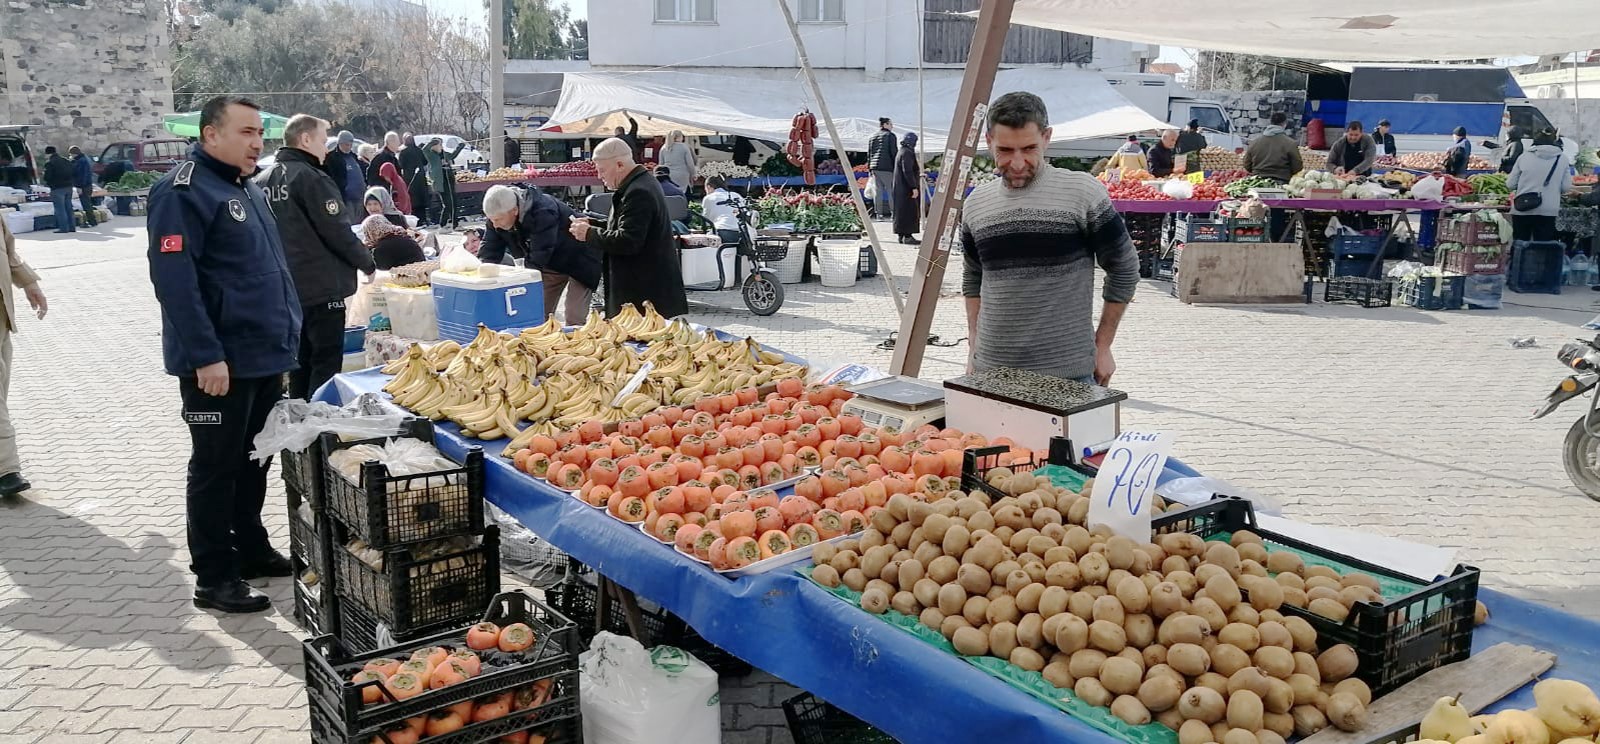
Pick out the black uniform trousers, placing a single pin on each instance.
(321, 348)
(226, 488)
(421, 197)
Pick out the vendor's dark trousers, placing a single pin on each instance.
(86, 198)
(447, 208)
(1533, 227)
(226, 488)
(61, 199)
(421, 198)
(321, 348)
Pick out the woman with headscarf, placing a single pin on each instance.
(907, 201)
(391, 246)
(398, 191)
(378, 202)
(680, 160)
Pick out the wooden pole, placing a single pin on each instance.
(940, 230)
(838, 148)
(497, 84)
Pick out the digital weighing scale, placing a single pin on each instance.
(904, 403)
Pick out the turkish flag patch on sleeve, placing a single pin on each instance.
(172, 244)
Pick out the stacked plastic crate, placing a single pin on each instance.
(1470, 245)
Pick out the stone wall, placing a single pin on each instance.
(85, 72)
(1584, 124)
(1250, 110)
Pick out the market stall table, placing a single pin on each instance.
(785, 625)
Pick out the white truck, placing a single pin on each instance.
(1161, 97)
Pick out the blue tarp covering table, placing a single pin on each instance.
(795, 630)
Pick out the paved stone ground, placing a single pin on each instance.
(1400, 422)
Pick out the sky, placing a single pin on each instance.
(473, 10)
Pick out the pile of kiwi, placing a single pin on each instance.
(1181, 631)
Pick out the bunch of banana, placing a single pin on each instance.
(394, 368)
(486, 417)
(441, 354)
(414, 382)
(526, 437)
(449, 394)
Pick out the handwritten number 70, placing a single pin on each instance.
(1132, 482)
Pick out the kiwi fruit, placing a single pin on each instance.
(1245, 637)
(976, 610)
(1265, 594)
(1078, 539)
(1003, 609)
(1140, 630)
(1226, 659)
(1057, 673)
(1308, 720)
(1252, 552)
(1109, 609)
(905, 603)
(952, 598)
(1207, 608)
(1279, 697)
(1224, 591)
(854, 578)
(970, 641)
(1355, 687)
(882, 586)
(901, 534)
(1081, 603)
(1189, 659)
(1092, 692)
(1244, 710)
(1244, 613)
(1346, 712)
(1212, 681)
(1028, 597)
(1030, 632)
(1016, 580)
(1361, 579)
(1094, 568)
(1249, 678)
(1002, 639)
(951, 624)
(1332, 609)
(1194, 731)
(1170, 719)
(1045, 515)
(1155, 655)
(1072, 635)
(1133, 595)
(925, 552)
(1305, 636)
(1480, 614)
(1275, 661)
(1186, 581)
(1202, 704)
(1107, 636)
(1183, 628)
(1165, 599)
(1223, 556)
(1053, 601)
(986, 553)
(1086, 663)
(1064, 574)
(1272, 633)
(1290, 581)
(973, 579)
(1305, 686)
(931, 617)
(1160, 692)
(982, 520)
(1295, 598)
(1003, 569)
(1239, 736)
(1130, 710)
(1026, 658)
(825, 575)
(874, 600)
(1121, 676)
(943, 569)
(1174, 564)
(1277, 725)
(927, 592)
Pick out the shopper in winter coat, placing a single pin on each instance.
(535, 227)
(83, 178)
(1353, 153)
(1459, 155)
(1543, 169)
(58, 176)
(640, 254)
(344, 167)
(391, 245)
(1274, 154)
(1514, 149)
(1164, 155)
(907, 199)
(389, 154)
(398, 189)
(378, 201)
(1385, 140)
(323, 254)
(442, 173)
(631, 136)
(680, 157)
(881, 150)
(413, 165)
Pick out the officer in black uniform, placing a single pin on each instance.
(230, 326)
(323, 253)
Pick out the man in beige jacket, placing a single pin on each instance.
(17, 274)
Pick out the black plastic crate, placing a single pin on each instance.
(1359, 290)
(1247, 231)
(1201, 230)
(978, 461)
(359, 630)
(302, 472)
(1396, 640)
(1536, 267)
(1358, 266)
(813, 720)
(306, 539)
(315, 607)
(1434, 292)
(868, 267)
(577, 599)
(411, 592)
(1355, 245)
(558, 720)
(386, 510)
(330, 664)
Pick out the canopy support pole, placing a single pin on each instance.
(497, 84)
(939, 231)
(844, 160)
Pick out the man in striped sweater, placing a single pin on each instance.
(1031, 239)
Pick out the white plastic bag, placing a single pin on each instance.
(1192, 491)
(633, 696)
(458, 261)
(1178, 188)
(871, 189)
(293, 424)
(1430, 188)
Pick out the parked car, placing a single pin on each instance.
(16, 160)
(155, 155)
(465, 160)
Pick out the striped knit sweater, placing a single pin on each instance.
(1030, 256)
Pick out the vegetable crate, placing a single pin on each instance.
(813, 720)
(577, 598)
(316, 608)
(1355, 245)
(978, 461)
(302, 472)
(386, 510)
(1359, 290)
(1248, 231)
(339, 715)
(1434, 292)
(1201, 230)
(1460, 259)
(360, 632)
(1470, 231)
(1396, 640)
(414, 590)
(1361, 266)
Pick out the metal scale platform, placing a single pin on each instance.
(904, 403)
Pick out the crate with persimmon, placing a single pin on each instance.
(514, 671)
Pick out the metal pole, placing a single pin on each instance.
(838, 148)
(497, 83)
(922, 131)
(939, 232)
(1576, 110)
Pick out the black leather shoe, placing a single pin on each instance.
(274, 565)
(12, 484)
(234, 596)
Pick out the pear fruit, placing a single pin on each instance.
(1517, 727)
(1448, 721)
(1569, 708)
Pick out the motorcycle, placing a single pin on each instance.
(1580, 453)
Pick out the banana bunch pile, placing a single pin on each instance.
(706, 365)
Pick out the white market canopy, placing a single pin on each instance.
(1081, 104)
(1352, 30)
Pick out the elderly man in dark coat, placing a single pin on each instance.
(640, 253)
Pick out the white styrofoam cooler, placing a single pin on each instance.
(18, 222)
(411, 313)
(513, 299)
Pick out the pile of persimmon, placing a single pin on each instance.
(438, 667)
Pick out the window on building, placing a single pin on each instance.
(686, 11)
(821, 11)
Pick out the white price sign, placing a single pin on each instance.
(1126, 484)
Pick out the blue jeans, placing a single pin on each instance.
(62, 199)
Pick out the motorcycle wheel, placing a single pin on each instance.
(1580, 454)
(762, 293)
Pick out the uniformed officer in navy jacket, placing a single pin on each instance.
(230, 328)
